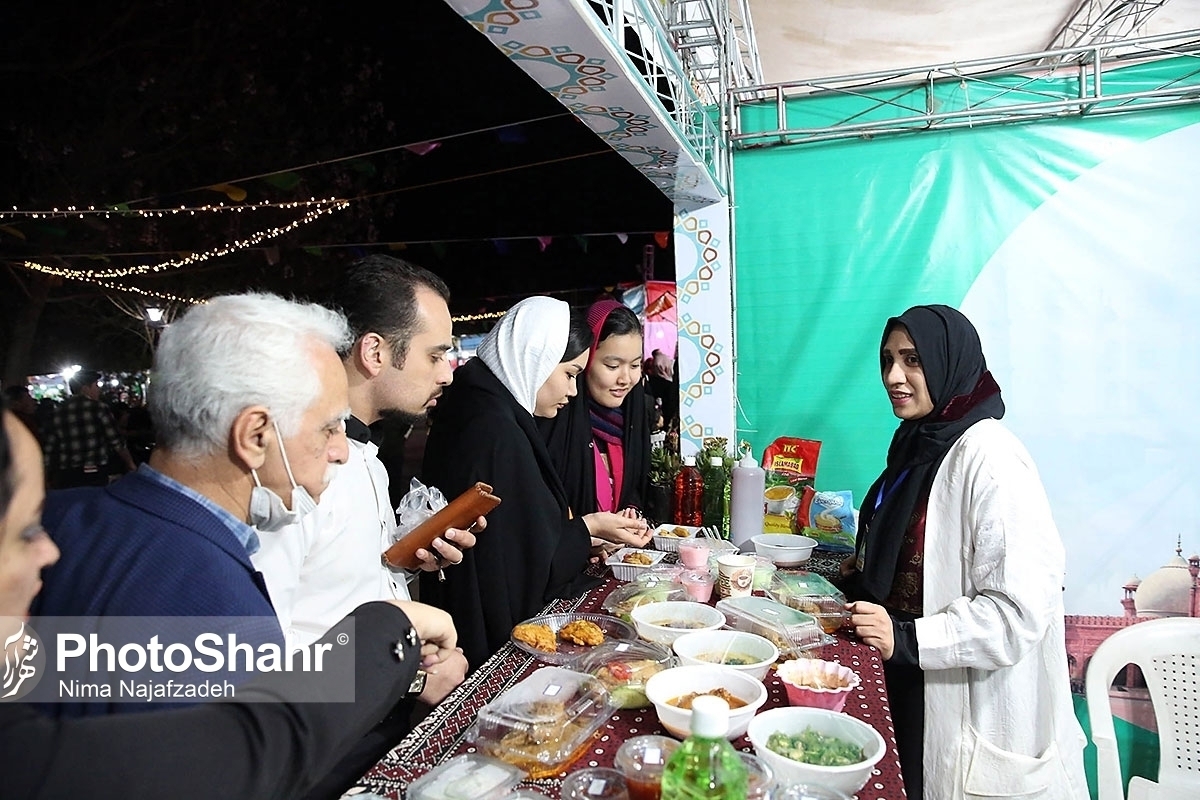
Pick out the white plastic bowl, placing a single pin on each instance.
(667, 621)
(703, 647)
(678, 681)
(785, 549)
(795, 719)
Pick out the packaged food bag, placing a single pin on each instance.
(790, 464)
(829, 518)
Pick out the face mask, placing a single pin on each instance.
(267, 511)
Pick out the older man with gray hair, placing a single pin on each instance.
(249, 401)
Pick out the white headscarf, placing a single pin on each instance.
(526, 346)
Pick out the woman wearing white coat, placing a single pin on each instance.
(959, 574)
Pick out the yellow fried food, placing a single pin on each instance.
(539, 637)
(582, 631)
(637, 558)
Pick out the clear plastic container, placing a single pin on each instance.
(544, 722)
(812, 594)
(624, 668)
(764, 572)
(624, 599)
(467, 777)
(792, 631)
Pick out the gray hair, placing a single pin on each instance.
(233, 352)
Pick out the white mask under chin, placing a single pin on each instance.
(267, 510)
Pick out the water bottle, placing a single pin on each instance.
(689, 494)
(714, 494)
(746, 504)
(706, 767)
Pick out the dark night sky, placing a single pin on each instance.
(161, 99)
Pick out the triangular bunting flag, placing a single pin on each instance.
(544, 242)
(662, 239)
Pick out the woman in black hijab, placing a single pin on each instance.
(959, 569)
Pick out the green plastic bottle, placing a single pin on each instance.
(706, 767)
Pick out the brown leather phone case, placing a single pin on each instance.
(461, 513)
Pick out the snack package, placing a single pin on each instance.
(791, 465)
(829, 518)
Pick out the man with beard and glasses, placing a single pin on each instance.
(329, 563)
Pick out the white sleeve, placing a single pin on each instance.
(1013, 564)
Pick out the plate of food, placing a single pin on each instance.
(668, 537)
(561, 638)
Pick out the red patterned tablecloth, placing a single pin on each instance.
(442, 734)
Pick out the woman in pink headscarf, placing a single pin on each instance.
(600, 443)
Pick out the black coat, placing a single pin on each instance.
(532, 551)
(265, 749)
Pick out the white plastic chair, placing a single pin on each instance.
(1168, 653)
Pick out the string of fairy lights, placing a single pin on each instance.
(103, 278)
(316, 210)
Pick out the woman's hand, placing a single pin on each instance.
(848, 566)
(618, 529)
(873, 625)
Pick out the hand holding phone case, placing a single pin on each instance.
(475, 502)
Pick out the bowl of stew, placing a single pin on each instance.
(673, 690)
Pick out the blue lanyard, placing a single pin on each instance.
(886, 489)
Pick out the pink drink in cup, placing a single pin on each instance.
(699, 584)
(693, 555)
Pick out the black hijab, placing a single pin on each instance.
(963, 393)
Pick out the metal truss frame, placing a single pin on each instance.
(1102, 21)
(1006, 89)
(689, 54)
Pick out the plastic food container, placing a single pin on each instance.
(792, 631)
(667, 537)
(764, 572)
(467, 777)
(812, 594)
(624, 599)
(544, 722)
(624, 570)
(624, 668)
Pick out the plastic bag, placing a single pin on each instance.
(421, 503)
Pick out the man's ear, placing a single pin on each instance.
(252, 433)
(372, 354)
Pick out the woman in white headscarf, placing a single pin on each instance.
(535, 548)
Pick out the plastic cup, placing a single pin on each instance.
(693, 555)
(735, 576)
(764, 570)
(760, 778)
(641, 761)
(699, 584)
(595, 783)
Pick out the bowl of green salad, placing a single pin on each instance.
(806, 745)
